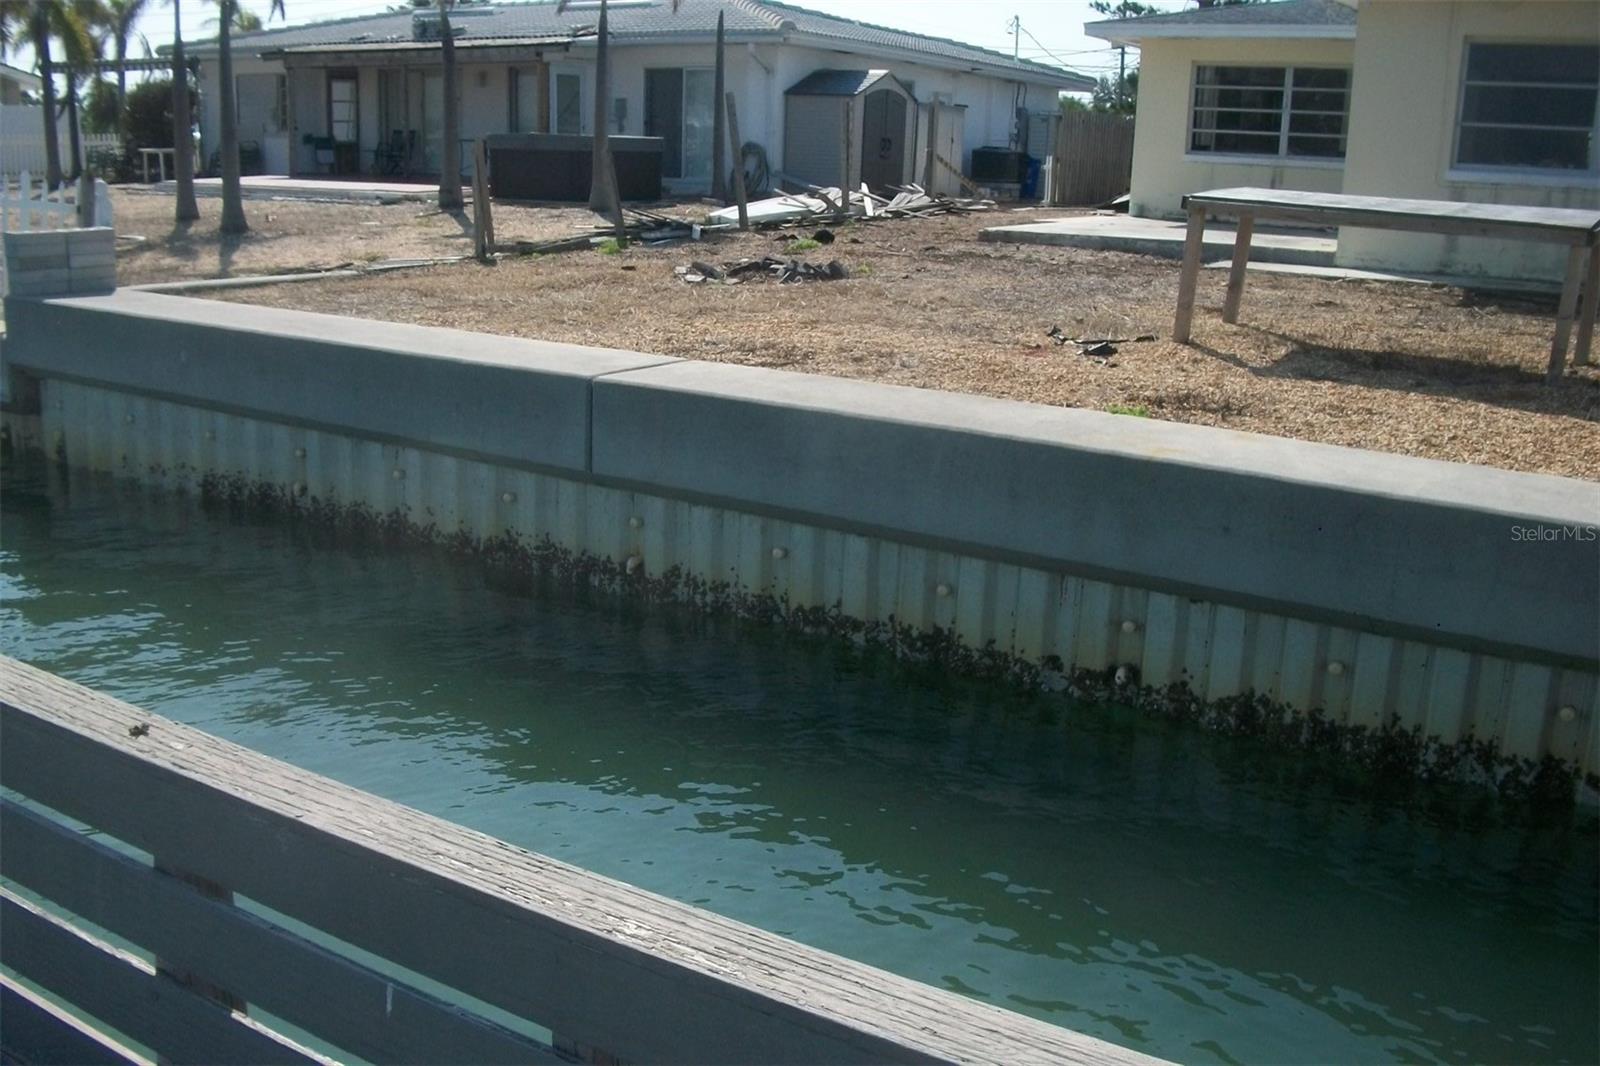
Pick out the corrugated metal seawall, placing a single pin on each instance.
(1356, 677)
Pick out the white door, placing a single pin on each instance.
(569, 108)
(526, 100)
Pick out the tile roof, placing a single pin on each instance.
(1283, 15)
(631, 22)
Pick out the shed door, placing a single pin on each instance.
(883, 139)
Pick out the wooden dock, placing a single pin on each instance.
(614, 972)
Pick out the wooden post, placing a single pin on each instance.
(85, 203)
(614, 195)
(933, 146)
(719, 176)
(482, 210)
(738, 162)
(1591, 300)
(1241, 257)
(1565, 312)
(1193, 242)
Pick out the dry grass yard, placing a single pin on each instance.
(1412, 369)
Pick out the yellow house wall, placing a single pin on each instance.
(1163, 168)
(1406, 90)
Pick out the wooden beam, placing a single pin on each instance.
(36, 1030)
(353, 1007)
(1591, 301)
(127, 994)
(599, 961)
(738, 161)
(1565, 311)
(1193, 244)
(1241, 258)
(719, 176)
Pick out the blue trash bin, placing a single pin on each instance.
(1030, 180)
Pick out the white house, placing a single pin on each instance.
(337, 95)
(1474, 100)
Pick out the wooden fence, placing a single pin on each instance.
(1093, 158)
(617, 973)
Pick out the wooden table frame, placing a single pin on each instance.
(1578, 229)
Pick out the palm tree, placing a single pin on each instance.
(185, 210)
(233, 220)
(38, 22)
(450, 154)
(124, 13)
(82, 52)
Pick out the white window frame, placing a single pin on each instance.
(1285, 112)
(1505, 174)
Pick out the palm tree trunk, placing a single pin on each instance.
(122, 70)
(40, 32)
(74, 133)
(450, 151)
(233, 220)
(182, 137)
(599, 186)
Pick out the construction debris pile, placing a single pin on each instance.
(780, 270)
(639, 226)
(833, 204)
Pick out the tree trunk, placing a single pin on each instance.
(74, 133)
(450, 152)
(122, 73)
(599, 195)
(40, 31)
(233, 220)
(719, 133)
(186, 210)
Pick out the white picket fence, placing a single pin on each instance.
(26, 206)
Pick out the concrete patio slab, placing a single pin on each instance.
(1154, 236)
(268, 186)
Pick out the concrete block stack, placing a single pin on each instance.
(61, 262)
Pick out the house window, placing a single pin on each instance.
(261, 103)
(1529, 105)
(1293, 112)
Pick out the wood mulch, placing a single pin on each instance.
(1413, 369)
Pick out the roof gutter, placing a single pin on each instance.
(1131, 35)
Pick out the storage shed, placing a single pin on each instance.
(845, 127)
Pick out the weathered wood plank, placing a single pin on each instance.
(1193, 246)
(1241, 259)
(343, 1002)
(34, 1030)
(1565, 224)
(127, 994)
(1591, 301)
(598, 961)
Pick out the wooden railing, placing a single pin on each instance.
(618, 973)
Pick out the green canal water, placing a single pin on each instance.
(1164, 889)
